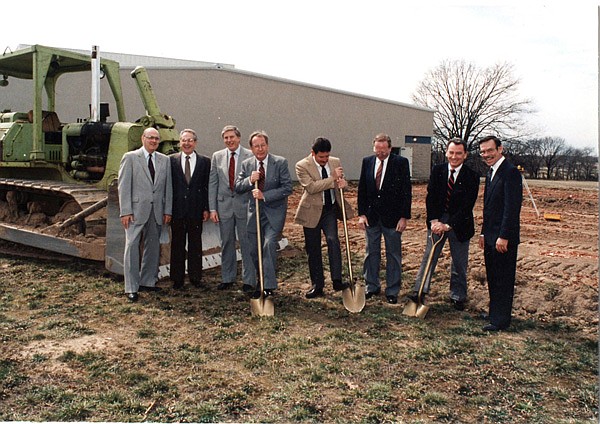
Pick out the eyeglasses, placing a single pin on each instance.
(152, 137)
(487, 151)
(187, 140)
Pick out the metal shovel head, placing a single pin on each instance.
(262, 307)
(422, 311)
(354, 298)
(410, 309)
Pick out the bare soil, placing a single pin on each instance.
(557, 266)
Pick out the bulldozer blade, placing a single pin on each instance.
(410, 309)
(354, 298)
(262, 307)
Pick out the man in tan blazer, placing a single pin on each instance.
(321, 176)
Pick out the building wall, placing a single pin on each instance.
(293, 114)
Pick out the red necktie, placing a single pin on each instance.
(450, 187)
(231, 170)
(261, 178)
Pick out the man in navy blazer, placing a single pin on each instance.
(384, 202)
(451, 195)
(145, 202)
(500, 230)
(190, 173)
(273, 202)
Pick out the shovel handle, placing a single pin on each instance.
(343, 202)
(259, 244)
(428, 264)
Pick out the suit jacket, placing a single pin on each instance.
(220, 197)
(310, 207)
(278, 186)
(393, 201)
(462, 199)
(190, 201)
(502, 205)
(138, 194)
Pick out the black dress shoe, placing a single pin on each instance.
(339, 286)
(370, 294)
(149, 289)
(492, 327)
(132, 297)
(224, 286)
(268, 292)
(314, 292)
(392, 299)
(197, 284)
(177, 285)
(248, 289)
(414, 297)
(459, 305)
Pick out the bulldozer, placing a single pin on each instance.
(58, 181)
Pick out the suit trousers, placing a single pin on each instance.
(312, 237)
(459, 251)
(146, 236)
(270, 243)
(393, 257)
(227, 228)
(186, 230)
(501, 269)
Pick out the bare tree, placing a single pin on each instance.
(470, 101)
(550, 150)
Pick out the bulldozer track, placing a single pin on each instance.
(84, 195)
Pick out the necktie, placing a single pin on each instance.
(151, 167)
(450, 187)
(378, 175)
(488, 180)
(326, 193)
(188, 172)
(261, 178)
(231, 170)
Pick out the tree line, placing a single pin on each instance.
(470, 102)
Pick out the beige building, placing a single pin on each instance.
(208, 96)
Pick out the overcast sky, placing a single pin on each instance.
(375, 47)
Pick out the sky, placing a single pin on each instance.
(379, 48)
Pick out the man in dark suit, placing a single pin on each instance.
(451, 195)
(230, 209)
(275, 185)
(384, 202)
(145, 202)
(321, 176)
(190, 172)
(500, 231)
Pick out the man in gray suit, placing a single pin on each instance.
(145, 201)
(274, 186)
(230, 209)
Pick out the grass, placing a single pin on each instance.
(74, 350)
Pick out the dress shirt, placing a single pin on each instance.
(329, 175)
(496, 166)
(192, 162)
(377, 161)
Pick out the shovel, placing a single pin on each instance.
(418, 309)
(354, 297)
(262, 307)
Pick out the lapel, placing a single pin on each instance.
(144, 163)
(313, 170)
(492, 186)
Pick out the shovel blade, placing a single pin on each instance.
(422, 311)
(354, 298)
(410, 309)
(262, 307)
